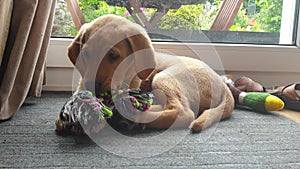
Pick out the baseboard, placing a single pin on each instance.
(290, 114)
(57, 88)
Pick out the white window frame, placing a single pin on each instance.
(287, 22)
(270, 65)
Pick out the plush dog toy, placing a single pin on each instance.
(257, 101)
(86, 114)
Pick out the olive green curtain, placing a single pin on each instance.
(24, 36)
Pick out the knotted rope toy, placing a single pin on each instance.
(125, 103)
(82, 114)
(129, 100)
(86, 114)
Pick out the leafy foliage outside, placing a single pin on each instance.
(265, 18)
(63, 23)
(254, 15)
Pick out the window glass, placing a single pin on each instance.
(251, 21)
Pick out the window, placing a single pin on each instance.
(250, 21)
(265, 49)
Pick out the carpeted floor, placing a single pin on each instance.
(246, 140)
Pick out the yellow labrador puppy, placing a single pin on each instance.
(112, 52)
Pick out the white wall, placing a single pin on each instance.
(269, 65)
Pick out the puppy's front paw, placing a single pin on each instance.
(196, 126)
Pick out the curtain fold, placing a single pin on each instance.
(5, 15)
(23, 63)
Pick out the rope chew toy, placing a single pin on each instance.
(82, 114)
(132, 100)
(125, 103)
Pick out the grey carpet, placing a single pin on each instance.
(246, 140)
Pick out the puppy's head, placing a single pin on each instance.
(110, 51)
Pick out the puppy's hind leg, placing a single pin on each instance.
(173, 114)
(214, 115)
(172, 107)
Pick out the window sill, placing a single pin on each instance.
(268, 64)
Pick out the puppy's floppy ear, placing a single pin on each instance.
(75, 47)
(143, 52)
